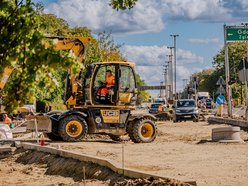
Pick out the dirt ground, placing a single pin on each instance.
(17, 174)
(182, 150)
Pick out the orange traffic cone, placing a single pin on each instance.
(42, 140)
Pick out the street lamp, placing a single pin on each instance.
(170, 75)
(175, 57)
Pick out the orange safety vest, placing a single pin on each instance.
(7, 120)
(110, 81)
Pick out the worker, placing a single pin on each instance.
(6, 119)
(160, 108)
(110, 82)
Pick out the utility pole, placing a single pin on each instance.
(170, 72)
(166, 79)
(175, 59)
(161, 84)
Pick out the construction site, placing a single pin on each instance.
(88, 97)
(182, 154)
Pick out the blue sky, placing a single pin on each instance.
(145, 30)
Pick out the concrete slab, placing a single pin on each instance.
(229, 121)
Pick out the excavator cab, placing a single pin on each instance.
(123, 91)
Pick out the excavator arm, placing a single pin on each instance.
(77, 46)
(3, 79)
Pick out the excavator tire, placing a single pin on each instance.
(73, 128)
(130, 131)
(120, 138)
(143, 131)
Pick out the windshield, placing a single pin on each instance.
(186, 103)
(155, 105)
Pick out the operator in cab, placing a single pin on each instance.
(109, 82)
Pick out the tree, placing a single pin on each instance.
(142, 95)
(207, 78)
(36, 73)
(21, 46)
(122, 4)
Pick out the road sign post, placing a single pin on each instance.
(228, 87)
(220, 82)
(220, 100)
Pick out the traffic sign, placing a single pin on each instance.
(220, 90)
(220, 81)
(236, 34)
(220, 100)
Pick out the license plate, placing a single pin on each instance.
(187, 116)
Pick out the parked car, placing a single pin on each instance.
(154, 108)
(185, 109)
(209, 103)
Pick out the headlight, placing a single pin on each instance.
(178, 110)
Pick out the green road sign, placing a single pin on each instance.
(236, 34)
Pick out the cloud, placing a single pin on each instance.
(99, 16)
(147, 16)
(204, 41)
(209, 10)
(149, 62)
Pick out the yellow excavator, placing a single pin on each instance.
(109, 113)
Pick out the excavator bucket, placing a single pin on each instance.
(39, 123)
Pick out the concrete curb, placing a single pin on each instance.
(94, 159)
(234, 122)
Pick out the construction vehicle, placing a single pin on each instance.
(89, 114)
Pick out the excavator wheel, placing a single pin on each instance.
(143, 131)
(130, 131)
(73, 128)
(120, 138)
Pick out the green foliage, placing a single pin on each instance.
(142, 95)
(52, 25)
(122, 4)
(39, 72)
(207, 78)
(22, 47)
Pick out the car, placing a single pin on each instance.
(185, 109)
(209, 103)
(154, 108)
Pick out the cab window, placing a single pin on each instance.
(127, 80)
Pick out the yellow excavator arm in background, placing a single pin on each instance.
(76, 45)
(6, 73)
